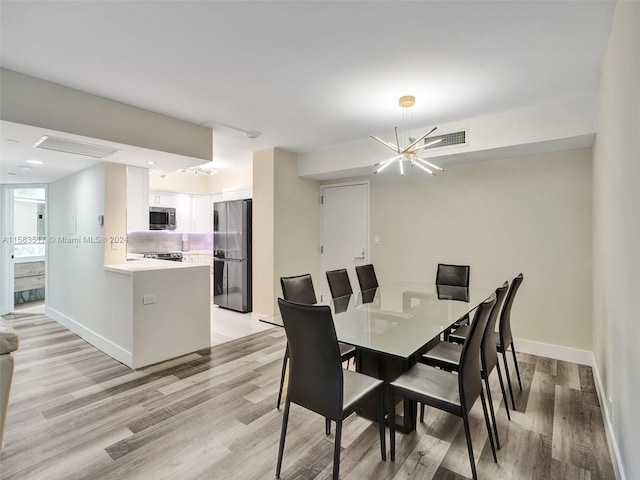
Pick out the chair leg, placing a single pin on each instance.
(327, 426)
(467, 433)
(283, 434)
(392, 425)
(515, 362)
(492, 411)
(336, 450)
(506, 370)
(383, 446)
(422, 412)
(504, 393)
(285, 360)
(486, 421)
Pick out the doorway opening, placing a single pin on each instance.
(25, 249)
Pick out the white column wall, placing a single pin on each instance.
(77, 294)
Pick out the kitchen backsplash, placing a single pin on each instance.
(165, 241)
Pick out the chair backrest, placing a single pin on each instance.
(315, 368)
(451, 292)
(339, 283)
(469, 378)
(453, 275)
(505, 317)
(366, 277)
(298, 289)
(488, 350)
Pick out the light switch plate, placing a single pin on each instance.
(148, 299)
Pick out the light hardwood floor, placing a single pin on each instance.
(75, 413)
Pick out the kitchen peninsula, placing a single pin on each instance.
(161, 310)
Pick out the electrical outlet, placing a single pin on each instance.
(148, 299)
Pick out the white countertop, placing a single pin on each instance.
(199, 252)
(148, 264)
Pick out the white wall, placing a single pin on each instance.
(565, 125)
(616, 237)
(3, 247)
(527, 214)
(189, 183)
(76, 281)
(32, 101)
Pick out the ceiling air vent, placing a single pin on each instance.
(71, 146)
(448, 140)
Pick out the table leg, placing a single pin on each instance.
(387, 368)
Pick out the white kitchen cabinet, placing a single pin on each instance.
(137, 198)
(162, 199)
(201, 213)
(182, 204)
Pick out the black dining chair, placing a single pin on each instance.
(449, 275)
(341, 291)
(299, 289)
(339, 284)
(446, 356)
(503, 337)
(317, 380)
(446, 391)
(366, 277)
(368, 282)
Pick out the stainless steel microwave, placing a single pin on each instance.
(162, 218)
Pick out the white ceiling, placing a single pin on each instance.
(310, 75)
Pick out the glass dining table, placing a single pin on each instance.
(393, 324)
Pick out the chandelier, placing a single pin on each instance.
(197, 170)
(406, 148)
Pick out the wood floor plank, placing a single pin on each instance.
(578, 433)
(77, 414)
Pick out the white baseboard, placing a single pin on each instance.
(98, 341)
(608, 427)
(557, 352)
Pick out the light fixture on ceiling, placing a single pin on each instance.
(35, 162)
(407, 147)
(204, 171)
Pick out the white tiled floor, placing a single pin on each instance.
(228, 325)
(34, 307)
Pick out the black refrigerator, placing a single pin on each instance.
(232, 255)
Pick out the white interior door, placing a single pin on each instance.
(345, 232)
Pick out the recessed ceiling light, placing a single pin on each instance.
(150, 162)
(12, 140)
(26, 169)
(11, 173)
(34, 162)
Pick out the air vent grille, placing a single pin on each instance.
(448, 140)
(71, 146)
